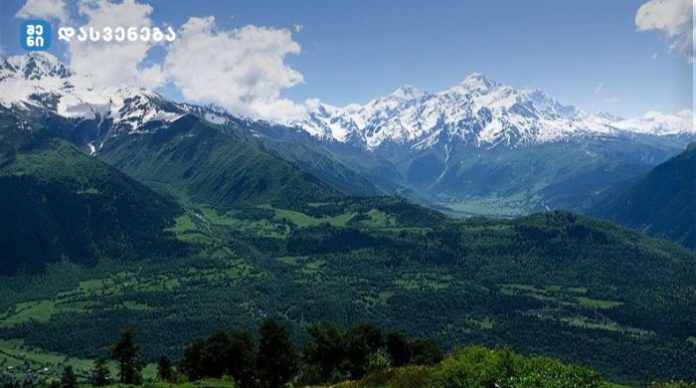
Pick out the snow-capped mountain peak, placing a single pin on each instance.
(40, 79)
(408, 93)
(478, 112)
(474, 83)
(33, 66)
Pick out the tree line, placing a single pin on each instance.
(330, 355)
(361, 354)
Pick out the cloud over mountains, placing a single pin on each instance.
(242, 69)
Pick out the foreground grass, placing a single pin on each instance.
(20, 361)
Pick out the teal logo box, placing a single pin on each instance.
(35, 35)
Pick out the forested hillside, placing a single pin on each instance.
(58, 204)
(543, 284)
(195, 161)
(662, 203)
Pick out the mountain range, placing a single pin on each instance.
(480, 147)
(123, 208)
(477, 112)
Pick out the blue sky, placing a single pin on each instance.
(584, 52)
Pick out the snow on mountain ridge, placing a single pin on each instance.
(40, 79)
(475, 83)
(661, 124)
(477, 111)
(34, 66)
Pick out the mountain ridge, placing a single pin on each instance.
(480, 147)
(661, 203)
(478, 111)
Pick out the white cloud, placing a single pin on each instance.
(44, 9)
(298, 28)
(151, 77)
(598, 88)
(661, 123)
(682, 120)
(674, 18)
(655, 56)
(114, 63)
(242, 70)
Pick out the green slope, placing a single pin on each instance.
(57, 203)
(662, 203)
(307, 154)
(200, 163)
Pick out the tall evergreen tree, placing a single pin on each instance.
(241, 358)
(213, 354)
(100, 373)
(191, 362)
(126, 354)
(277, 359)
(164, 369)
(68, 378)
(325, 351)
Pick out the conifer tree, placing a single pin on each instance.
(100, 373)
(277, 359)
(164, 368)
(126, 354)
(68, 378)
